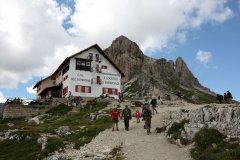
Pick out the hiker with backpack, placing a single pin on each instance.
(126, 114)
(154, 105)
(148, 118)
(143, 108)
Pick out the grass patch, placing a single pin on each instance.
(60, 110)
(210, 144)
(58, 116)
(201, 96)
(134, 87)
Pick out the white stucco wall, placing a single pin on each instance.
(110, 77)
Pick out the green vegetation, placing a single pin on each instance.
(201, 96)
(176, 129)
(134, 87)
(210, 144)
(60, 110)
(26, 147)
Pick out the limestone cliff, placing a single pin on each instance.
(145, 75)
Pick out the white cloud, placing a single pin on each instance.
(30, 33)
(203, 56)
(30, 90)
(2, 98)
(33, 41)
(151, 23)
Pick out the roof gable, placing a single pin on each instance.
(68, 58)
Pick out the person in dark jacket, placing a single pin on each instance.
(229, 97)
(148, 117)
(225, 97)
(127, 115)
(154, 105)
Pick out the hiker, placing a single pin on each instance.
(154, 105)
(143, 108)
(225, 97)
(160, 100)
(229, 97)
(126, 114)
(138, 116)
(148, 116)
(180, 96)
(115, 114)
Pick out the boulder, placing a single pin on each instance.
(63, 130)
(42, 141)
(33, 121)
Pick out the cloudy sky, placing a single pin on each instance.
(37, 35)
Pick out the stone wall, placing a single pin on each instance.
(17, 111)
(224, 119)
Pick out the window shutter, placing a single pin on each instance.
(83, 89)
(110, 91)
(76, 88)
(90, 89)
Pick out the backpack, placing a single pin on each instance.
(154, 102)
(127, 113)
(147, 113)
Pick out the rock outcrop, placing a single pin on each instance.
(225, 119)
(145, 75)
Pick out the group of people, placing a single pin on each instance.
(126, 115)
(227, 97)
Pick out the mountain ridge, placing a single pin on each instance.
(148, 76)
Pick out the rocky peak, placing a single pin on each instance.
(183, 73)
(127, 55)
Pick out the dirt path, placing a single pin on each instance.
(136, 144)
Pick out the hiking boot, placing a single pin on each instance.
(117, 129)
(113, 129)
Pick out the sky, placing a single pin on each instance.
(37, 35)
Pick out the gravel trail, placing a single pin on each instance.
(136, 144)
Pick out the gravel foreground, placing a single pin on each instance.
(135, 143)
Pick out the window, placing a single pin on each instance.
(114, 91)
(97, 57)
(110, 91)
(105, 90)
(83, 64)
(98, 80)
(83, 89)
(66, 77)
(90, 56)
(104, 67)
(65, 90)
(88, 64)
